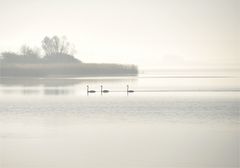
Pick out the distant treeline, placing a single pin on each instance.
(57, 61)
(67, 70)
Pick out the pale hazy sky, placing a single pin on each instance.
(150, 33)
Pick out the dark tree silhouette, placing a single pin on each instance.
(57, 61)
(27, 51)
(10, 57)
(57, 50)
(55, 45)
(30, 55)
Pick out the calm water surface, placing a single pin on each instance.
(170, 121)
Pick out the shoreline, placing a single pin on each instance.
(68, 70)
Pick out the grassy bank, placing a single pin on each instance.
(66, 70)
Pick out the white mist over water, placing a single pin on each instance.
(53, 123)
(190, 119)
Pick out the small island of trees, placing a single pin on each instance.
(58, 61)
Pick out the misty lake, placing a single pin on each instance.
(173, 119)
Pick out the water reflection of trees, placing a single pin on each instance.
(59, 82)
(57, 91)
(55, 86)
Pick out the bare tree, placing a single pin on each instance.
(29, 52)
(47, 46)
(56, 45)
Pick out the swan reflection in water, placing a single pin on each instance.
(129, 91)
(104, 90)
(90, 91)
